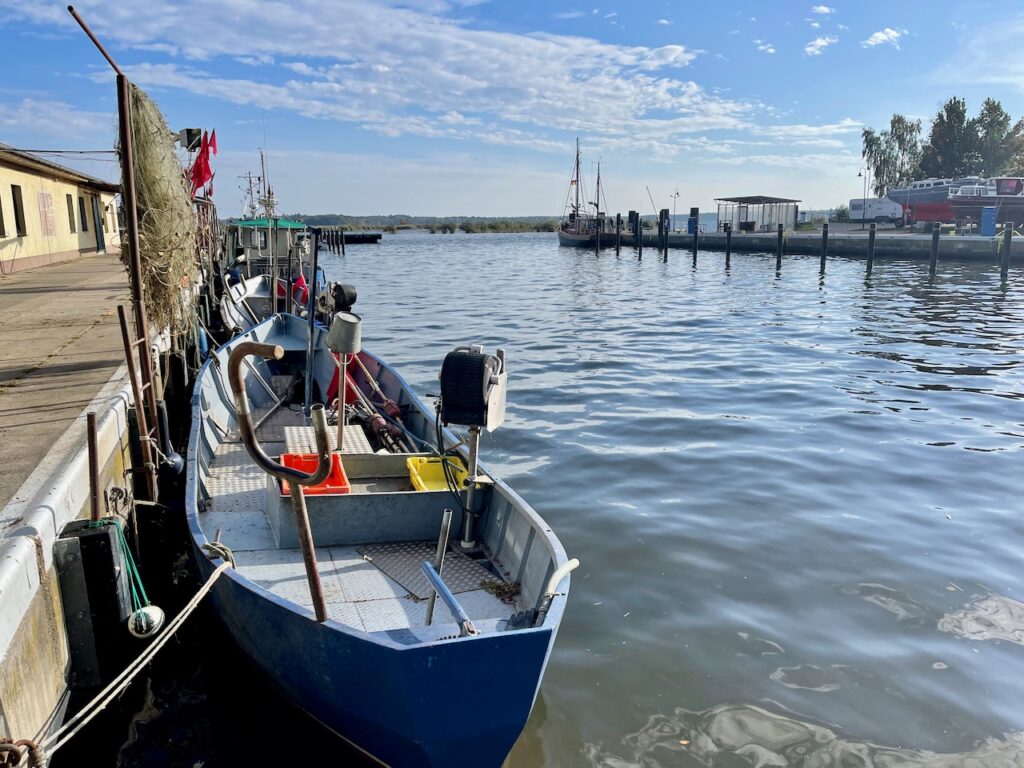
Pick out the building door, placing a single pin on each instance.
(97, 220)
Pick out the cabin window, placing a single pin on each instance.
(71, 213)
(84, 222)
(19, 210)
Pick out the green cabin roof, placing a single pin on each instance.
(275, 222)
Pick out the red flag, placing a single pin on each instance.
(300, 289)
(201, 173)
(213, 141)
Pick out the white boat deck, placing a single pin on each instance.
(357, 591)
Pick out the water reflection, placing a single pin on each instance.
(994, 617)
(731, 736)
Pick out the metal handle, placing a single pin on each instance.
(248, 431)
(549, 593)
(295, 477)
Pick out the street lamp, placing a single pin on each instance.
(865, 172)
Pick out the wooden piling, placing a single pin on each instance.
(1004, 260)
(728, 243)
(343, 242)
(933, 259)
(94, 466)
(778, 250)
(639, 236)
(871, 247)
(618, 233)
(665, 229)
(695, 215)
(824, 246)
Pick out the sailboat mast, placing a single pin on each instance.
(597, 199)
(576, 177)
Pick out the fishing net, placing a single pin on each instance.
(167, 228)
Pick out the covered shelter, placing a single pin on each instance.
(757, 213)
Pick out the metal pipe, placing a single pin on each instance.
(342, 398)
(461, 617)
(442, 546)
(94, 469)
(295, 477)
(311, 311)
(95, 41)
(468, 540)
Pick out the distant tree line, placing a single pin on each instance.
(990, 144)
(397, 222)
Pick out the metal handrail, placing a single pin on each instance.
(296, 478)
(457, 611)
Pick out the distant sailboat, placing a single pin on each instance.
(580, 227)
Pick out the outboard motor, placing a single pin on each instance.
(473, 385)
(344, 296)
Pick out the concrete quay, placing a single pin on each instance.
(60, 356)
(888, 244)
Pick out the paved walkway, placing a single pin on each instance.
(60, 342)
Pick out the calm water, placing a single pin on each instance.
(797, 503)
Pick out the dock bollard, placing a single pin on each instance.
(1004, 261)
(778, 251)
(871, 247)
(933, 259)
(824, 246)
(728, 243)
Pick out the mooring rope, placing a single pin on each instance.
(74, 725)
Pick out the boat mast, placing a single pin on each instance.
(597, 200)
(576, 177)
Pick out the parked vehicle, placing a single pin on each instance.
(878, 209)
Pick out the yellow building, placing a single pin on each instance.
(50, 214)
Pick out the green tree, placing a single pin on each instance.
(841, 213)
(999, 143)
(894, 154)
(953, 144)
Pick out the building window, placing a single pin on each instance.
(19, 210)
(84, 222)
(71, 214)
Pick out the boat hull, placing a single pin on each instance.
(585, 240)
(402, 705)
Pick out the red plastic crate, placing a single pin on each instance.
(335, 484)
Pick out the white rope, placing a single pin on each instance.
(51, 744)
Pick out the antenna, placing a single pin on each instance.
(653, 206)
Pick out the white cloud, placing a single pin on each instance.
(815, 25)
(663, 22)
(824, 10)
(842, 27)
(887, 35)
(819, 44)
(569, 15)
(611, 15)
(52, 119)
(764, 47)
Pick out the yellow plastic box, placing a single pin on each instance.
(427, 474)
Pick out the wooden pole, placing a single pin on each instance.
(618, 232)
(1004, 261)
(94, 466)
(728, 243)
(871, 247)
(639, 236)
(824, 246)
(933, 260)
(778, 249)
(343, 242)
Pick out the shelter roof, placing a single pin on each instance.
(755, 200)
(275, 222)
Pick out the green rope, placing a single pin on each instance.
(139, 597)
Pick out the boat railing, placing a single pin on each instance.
(295, 478)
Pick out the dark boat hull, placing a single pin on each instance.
(451, 703)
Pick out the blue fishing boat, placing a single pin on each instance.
(419, 646)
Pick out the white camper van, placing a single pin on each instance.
(878, 209)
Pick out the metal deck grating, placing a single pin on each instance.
(401, 561)
(303, 440)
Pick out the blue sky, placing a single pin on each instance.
(461, 107)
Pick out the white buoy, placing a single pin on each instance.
(147, 621)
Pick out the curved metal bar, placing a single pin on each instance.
(295, 477)
(248, 431)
